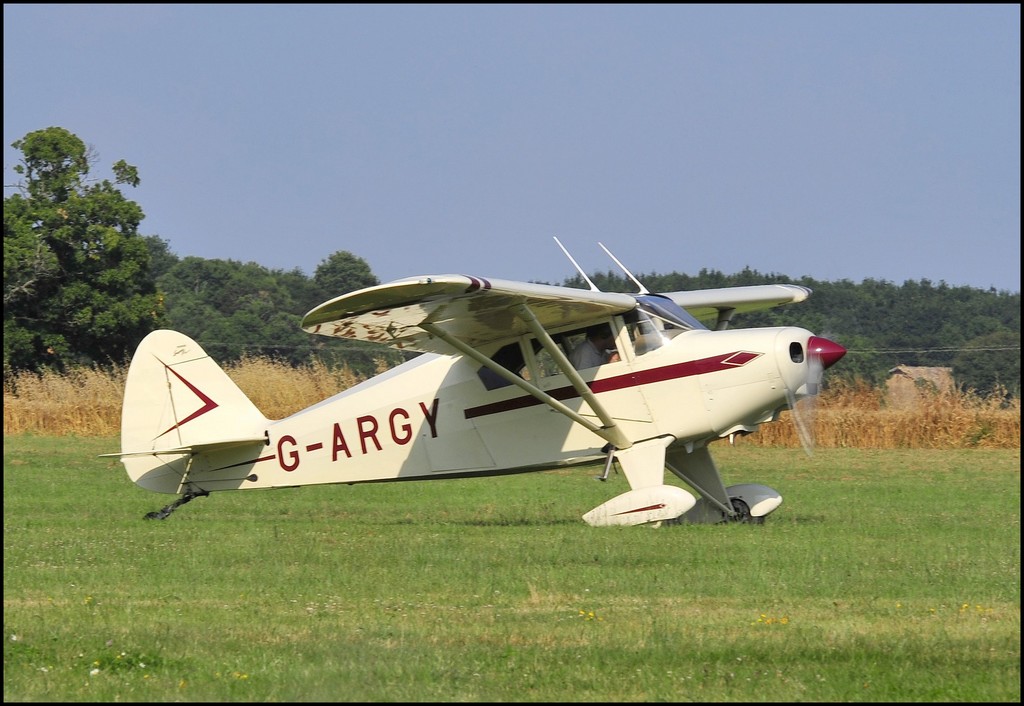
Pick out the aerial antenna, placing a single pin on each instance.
(643, 289)
(593, 287)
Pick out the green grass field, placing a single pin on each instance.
(885, 576)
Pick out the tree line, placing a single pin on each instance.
(83, 285)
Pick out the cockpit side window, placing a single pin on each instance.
(646, 333)
(545, 363)
(583, 348)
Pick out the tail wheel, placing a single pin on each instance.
(743, 513)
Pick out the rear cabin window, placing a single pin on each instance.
(509, 357)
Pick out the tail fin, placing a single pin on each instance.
(177, 402)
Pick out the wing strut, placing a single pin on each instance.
(609, 432)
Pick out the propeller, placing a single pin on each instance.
(803, 402)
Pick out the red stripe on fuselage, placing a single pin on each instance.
(644, 377)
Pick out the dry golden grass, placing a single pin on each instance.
(87, 402)
(278, 389)
(858, 416)
(82, 402)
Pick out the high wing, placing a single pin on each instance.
(451, 314)
(473, 310)
(721, 304)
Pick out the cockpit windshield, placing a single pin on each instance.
(656, 321)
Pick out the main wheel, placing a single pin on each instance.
(743, 513)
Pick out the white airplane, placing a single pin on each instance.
(494, 392)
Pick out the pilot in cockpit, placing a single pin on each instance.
(596, 349)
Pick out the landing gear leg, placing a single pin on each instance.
(610, 450)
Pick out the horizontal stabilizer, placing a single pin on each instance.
(193, 448)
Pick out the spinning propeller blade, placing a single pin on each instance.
(821, 353)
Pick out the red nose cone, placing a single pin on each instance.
(825, 349)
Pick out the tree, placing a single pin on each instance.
(990, 364)
(341, 273)
(77, 283)
(161, 259)
(234, 309)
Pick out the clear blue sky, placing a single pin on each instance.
(833, 141)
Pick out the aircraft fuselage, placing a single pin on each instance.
(433, 416)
